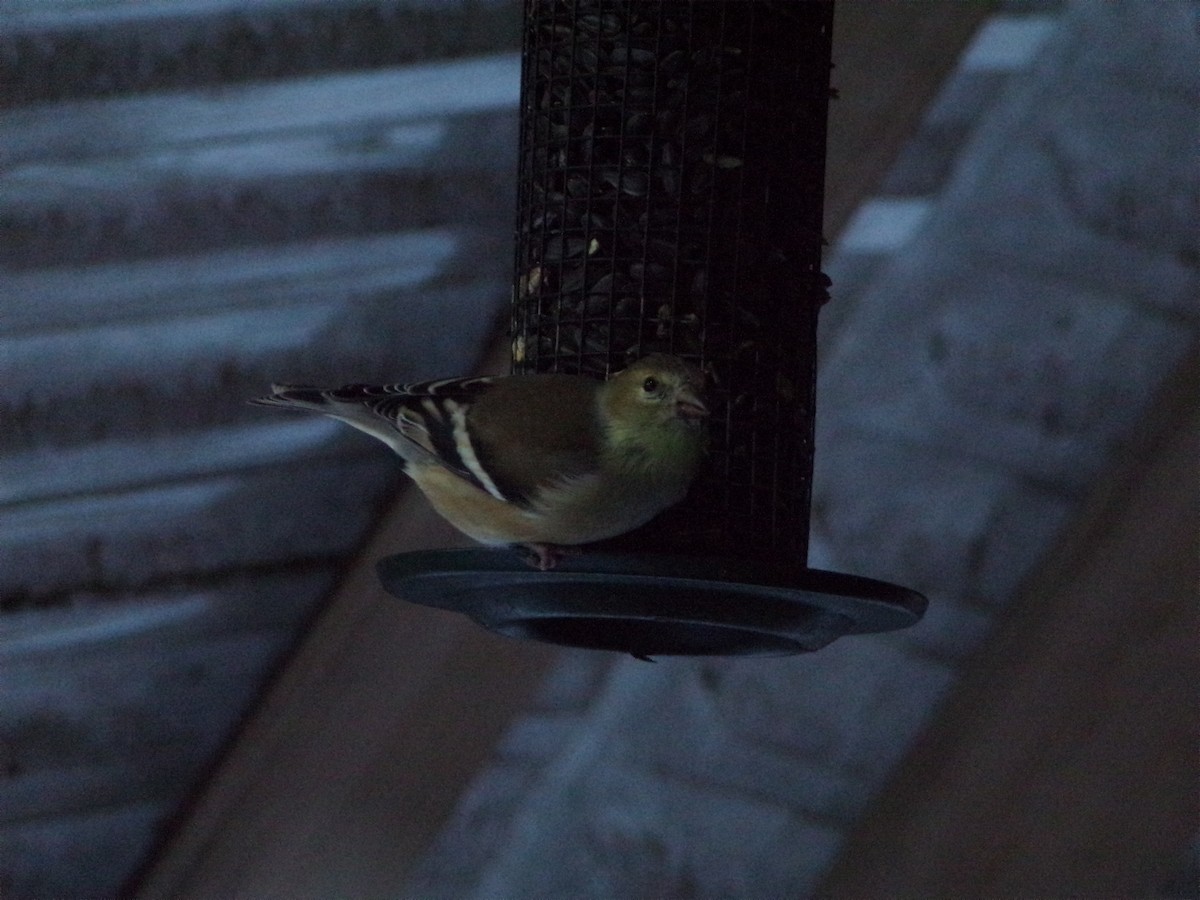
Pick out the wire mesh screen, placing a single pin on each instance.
(672, 169)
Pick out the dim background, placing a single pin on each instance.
(203, 691)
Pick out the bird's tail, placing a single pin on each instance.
(346, 404)
(297, 396)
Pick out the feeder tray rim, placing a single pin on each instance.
(653, 604)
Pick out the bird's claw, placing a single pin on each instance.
(544, 557)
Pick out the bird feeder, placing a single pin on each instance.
(672, 166)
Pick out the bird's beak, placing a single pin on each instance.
(688, 404)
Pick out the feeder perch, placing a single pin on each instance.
(672, 167)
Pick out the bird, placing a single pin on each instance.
(543, 463)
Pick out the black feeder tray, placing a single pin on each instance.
(652, 605)
(670, 199)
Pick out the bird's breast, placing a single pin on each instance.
(593, 508)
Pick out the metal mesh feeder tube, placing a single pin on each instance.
(670, 200)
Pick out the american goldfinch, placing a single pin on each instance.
(547, 462)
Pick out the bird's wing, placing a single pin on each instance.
(508, 436)
(530, 432)
(417, 420)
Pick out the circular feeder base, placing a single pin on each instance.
(653, 605)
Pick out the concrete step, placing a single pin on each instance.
(338, 270)
(54, 50)
(104, 467)
(345, 102)
(136, 382)
(337, 155)
(90, 854)
(86, 647)
(91, 628)
(87, 744)
(102, 224)
(205, 528)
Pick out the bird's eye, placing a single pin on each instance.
(650, 385)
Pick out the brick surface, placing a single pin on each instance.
(929, 519)
(688, 778)
(630, 831)
(1031, 374)
(822, 708)
(949, 630)
(927, 161)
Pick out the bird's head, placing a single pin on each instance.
(655, 411)
(658, 390)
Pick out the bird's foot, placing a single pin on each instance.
(546, 556)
